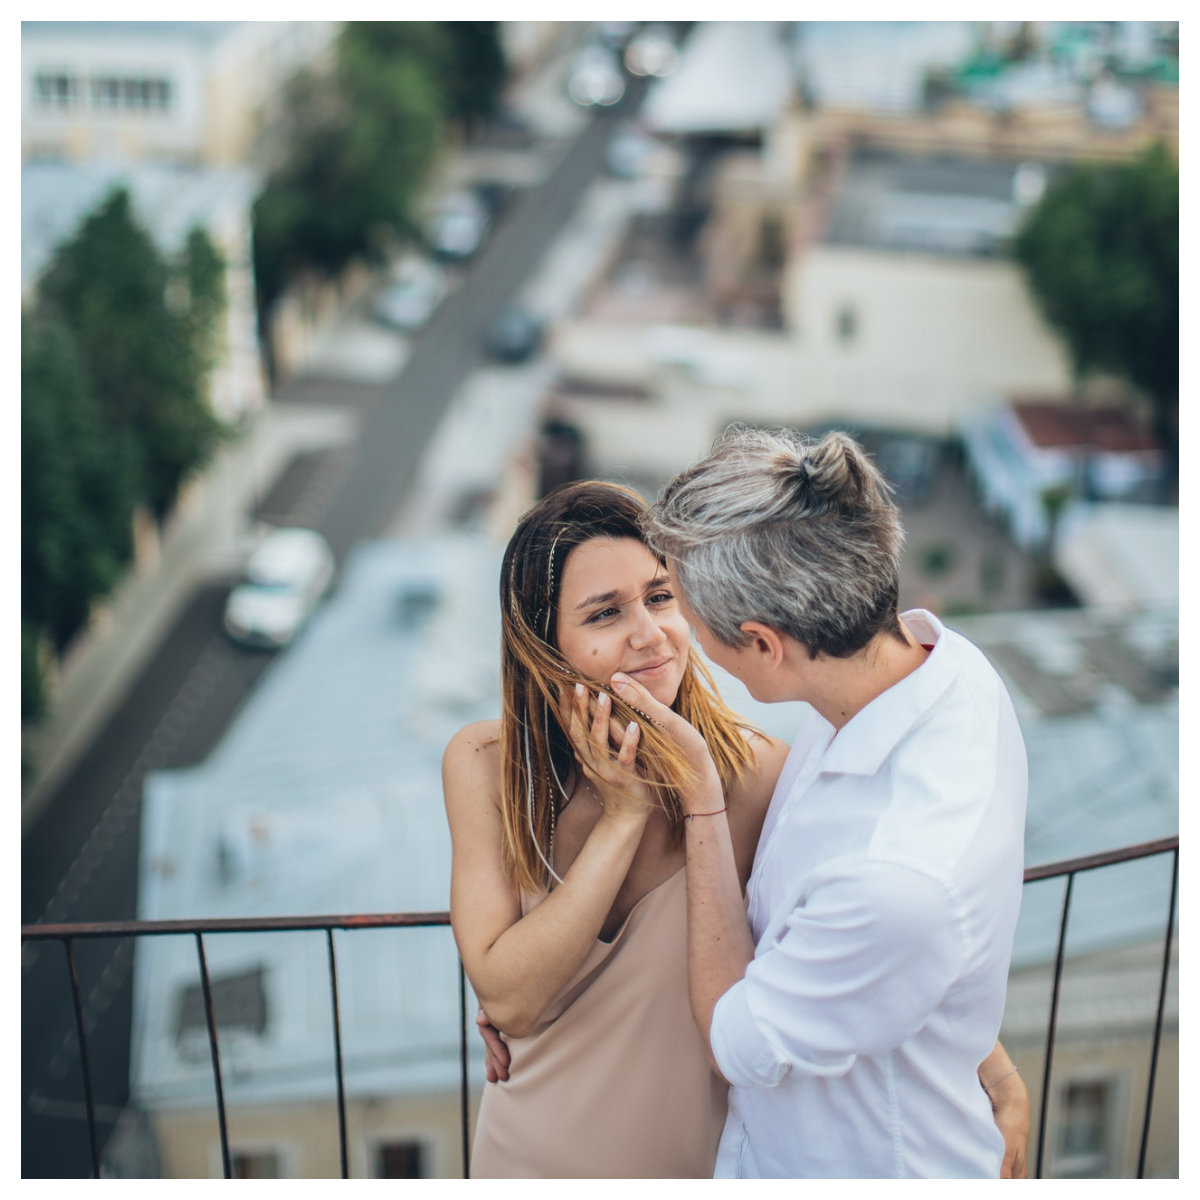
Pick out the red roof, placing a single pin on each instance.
(1053, 425)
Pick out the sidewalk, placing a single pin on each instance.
(208, 537)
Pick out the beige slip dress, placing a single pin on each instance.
(614, 1082)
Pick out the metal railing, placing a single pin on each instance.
(1071, 868)
(69, 934)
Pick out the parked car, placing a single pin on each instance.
(596, 77)
(459, 226)
(286, 576)
(513, 335)
(418, 287)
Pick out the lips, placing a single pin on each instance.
(651, 669)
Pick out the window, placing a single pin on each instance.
(259, 1163)
(401, 1159)
(239, 1002)
(1085, 1129)
(106, 92)
(847, 323)
(54, 90)
(138, 92)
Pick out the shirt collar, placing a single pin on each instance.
(865, 741)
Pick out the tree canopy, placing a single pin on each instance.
(116, 351)
(144, 363)
(1101, 254)
(77, 485)
(357, 143)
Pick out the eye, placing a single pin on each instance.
(601, 615)
(660, 598)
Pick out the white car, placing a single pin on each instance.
(416, 290)
(459, 226)
(286, 576)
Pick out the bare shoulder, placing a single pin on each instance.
(757, 785)
(471, 764)
(478, 736)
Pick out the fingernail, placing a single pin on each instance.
(621, 682)
(602, 698)
(631, 727)
(579, 689)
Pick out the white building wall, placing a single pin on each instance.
(933, 337)
(221, 83)
(82, 128)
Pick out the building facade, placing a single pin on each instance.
(193, 92)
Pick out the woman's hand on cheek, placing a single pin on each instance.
(607, 755)
(684, 735)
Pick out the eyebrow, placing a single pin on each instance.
(605, 597)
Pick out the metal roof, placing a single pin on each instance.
(325, 796)
(953, 206)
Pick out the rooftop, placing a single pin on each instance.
(955, 206)
(1097, 697)
(200, 32)
(1052, 424)
(733, 77)
(325, 797)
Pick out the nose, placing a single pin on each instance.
(645, 631)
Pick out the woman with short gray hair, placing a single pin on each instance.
(850, 997)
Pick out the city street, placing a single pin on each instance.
(80, 858)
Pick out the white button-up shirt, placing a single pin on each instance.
(884, 898)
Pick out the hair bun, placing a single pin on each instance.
(837, 469)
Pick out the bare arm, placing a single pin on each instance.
(518, 964)
(720, 945)
(1010, 1109)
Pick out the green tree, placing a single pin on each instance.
(475, 73)
(77, 488)
(359, 145)
(1100, 251)
(358, 142)
(110, 285)
(202, 276)
(34, 700)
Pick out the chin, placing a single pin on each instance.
(666, 691)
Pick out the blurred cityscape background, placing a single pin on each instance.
(313, 311)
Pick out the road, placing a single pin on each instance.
(80, 860)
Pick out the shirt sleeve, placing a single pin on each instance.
(862, 965)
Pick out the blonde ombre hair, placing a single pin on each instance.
(535, 752)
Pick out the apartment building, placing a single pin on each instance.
(194, 92)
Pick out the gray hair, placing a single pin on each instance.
(797, 533)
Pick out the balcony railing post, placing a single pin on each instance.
(83, 1057)
(462, 1055)
(211, 1017)
(337, 1051)
(1058, 970)
(1158, 1019)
